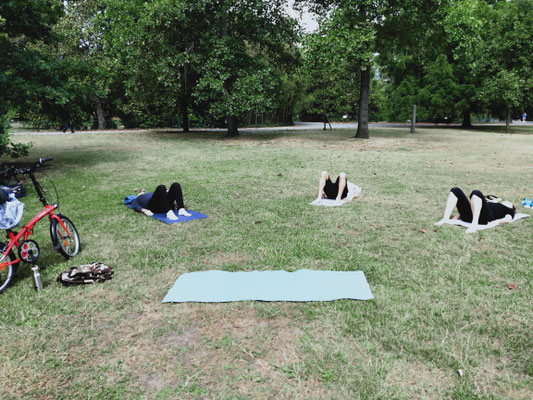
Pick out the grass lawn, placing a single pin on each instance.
(442, 302)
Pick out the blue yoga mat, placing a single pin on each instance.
(163, 217)
(302, 285)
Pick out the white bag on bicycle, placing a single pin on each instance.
(11, 213)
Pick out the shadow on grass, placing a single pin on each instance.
(340, 136)
(514, 129)
(313, 135)
(382, 132)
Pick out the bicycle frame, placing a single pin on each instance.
(27, 229)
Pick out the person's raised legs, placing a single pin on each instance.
(175, 195)
(321, 184)
(342, 185)
(450, 206)
(476, 203)
(159, 203)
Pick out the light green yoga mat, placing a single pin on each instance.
(302, 285)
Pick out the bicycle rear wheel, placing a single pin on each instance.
(7, 272)
(68, 244)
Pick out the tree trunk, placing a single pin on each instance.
(184, 111)
(232, 126)
(100, 114)
(364, 94)
(507, 120)
(413, 119)
(184, 99)
(467, 122)
(232, 119)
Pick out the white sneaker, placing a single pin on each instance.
(172, 216)
(183, 211)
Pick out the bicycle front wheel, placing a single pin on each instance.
(7, 272)
(67, 243)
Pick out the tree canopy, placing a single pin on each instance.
(102, 63)
(23, 70)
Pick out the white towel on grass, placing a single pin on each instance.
(490, 225)
(353, 190)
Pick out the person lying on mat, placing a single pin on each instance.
(477, 210)
(161, 201)
(340, 190)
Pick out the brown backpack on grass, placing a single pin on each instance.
(86, 273)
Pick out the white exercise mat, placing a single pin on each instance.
(327, 202)
(302, 285)
(490, 225)
(353, 191)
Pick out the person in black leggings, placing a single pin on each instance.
(477, 210)
(161, 201)
(329, 190)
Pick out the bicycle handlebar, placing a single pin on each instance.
(26, 170)
(43, 160)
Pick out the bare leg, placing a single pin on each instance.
(476, 204)
(342, 185)
(321, 184)
(450, 205)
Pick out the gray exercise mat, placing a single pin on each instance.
(302, 285)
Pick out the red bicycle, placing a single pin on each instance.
(65, 238)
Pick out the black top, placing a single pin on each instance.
(141, 201)
(499, 210)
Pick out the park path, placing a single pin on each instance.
(298, 126)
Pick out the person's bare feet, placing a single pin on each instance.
(147, 212)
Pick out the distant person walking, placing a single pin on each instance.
(68, 125)
(524, 116)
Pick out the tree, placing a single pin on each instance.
(224, 57)
(370, 27)
(22, 23)
(331, 80)
(158, 55)
(80, 46)
(440, 98)
(506, 64)
(354, 22)
(247, 40)
(463, 23)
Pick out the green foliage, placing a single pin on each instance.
(81, 82)
(23, 23)
(222, 57)
(506, 65)
(334, 57)
(439, 99)
(247, 48)
(155, 62)
(7, 147)
(402, 98)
